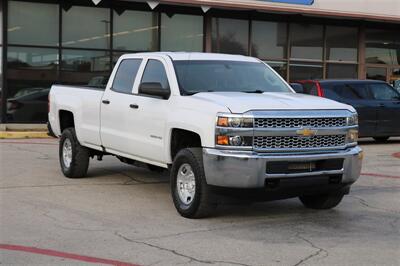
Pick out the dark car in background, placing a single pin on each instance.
(377, 103)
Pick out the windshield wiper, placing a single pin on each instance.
(254, 91)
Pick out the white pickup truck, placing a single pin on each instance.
(219, 123)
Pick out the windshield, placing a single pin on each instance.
(231, 76)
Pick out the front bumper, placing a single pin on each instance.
(246, 169)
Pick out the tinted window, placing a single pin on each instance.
(341, 43)
(341, 71)
(135, 30)
(230, 36)
(383, 92)
(306, 41)
(32, 23)
(351, 91)
(86, 27)
(126, 74)
(269, 39)
(181, 33)
(155, 73)
(230, 76)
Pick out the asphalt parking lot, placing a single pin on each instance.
(123, 215)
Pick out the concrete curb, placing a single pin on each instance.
(24, 135)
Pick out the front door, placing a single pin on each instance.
(388, 101)
(147, 120)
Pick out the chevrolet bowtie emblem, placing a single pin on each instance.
(306, 132)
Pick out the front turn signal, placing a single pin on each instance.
(222, 140)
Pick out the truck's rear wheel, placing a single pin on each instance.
(191, 194)
(74, 158)
(322, 202)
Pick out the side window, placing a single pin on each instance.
(126, 74)
(382, 91)
(352, 91)
(155, 73)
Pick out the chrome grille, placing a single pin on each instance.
(295, 142)
(299, 122)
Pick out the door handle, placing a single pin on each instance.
(105, 101)
(381, 105)
(134, 106)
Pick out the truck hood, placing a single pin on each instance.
(240, 102)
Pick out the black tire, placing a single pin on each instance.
(203, 203)
(80, 155)
(381, 139)
(155, 168)
(322, 202)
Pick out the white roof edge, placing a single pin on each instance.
(196, 56)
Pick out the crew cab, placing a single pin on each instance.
(218, 123)
(376, 102)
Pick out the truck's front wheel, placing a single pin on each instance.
(74, 158)
(191, 194)
(322, 202)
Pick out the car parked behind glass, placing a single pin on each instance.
(377, 103)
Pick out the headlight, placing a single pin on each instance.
(352, 120)
(234, 121)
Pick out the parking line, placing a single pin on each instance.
(55, 253)
(380, 175)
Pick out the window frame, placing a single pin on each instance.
(134, 80)
(142, 71)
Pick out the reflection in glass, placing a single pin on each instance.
(230, 36)
(377, 73)
(306, 41)
(181, 33)
(82, 67)
(279, 67)
(341, 71)
(305, 71)
(1, 24)
(135, 30)
(269, 39)
(395, 78)
(341, 43)
(86, 27)
(32, 23)
(382, 46)
(30, 74)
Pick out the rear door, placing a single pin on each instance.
(388, 101)
(358, 96)
(117, 134)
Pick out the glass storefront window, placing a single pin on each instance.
(305, 71)
(135, 31)
(269, 39)
(86, 27)
(382, 46)
(341, 71)
(377, 73)
(32, 23)
(279, 67)
(181, 33)
(230, 36)
(306, 41)
(30, 74)
(84, 67)
(341, 43)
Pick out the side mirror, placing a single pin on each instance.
(154, 89)
(297, 87)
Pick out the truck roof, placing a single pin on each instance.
(176, 56)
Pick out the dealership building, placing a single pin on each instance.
(77, 42)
